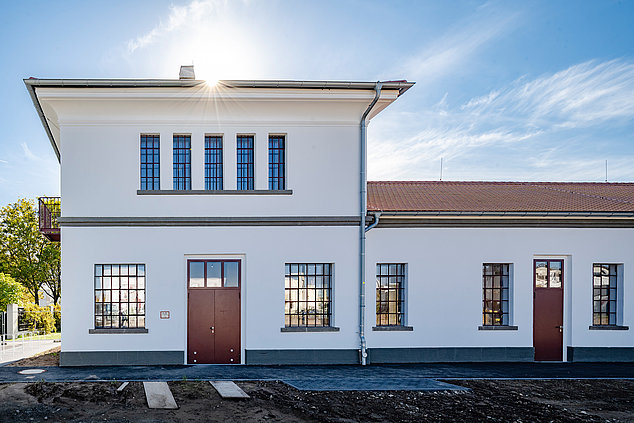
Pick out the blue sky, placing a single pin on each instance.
(504, 90)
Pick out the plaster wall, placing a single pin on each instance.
(444, 282)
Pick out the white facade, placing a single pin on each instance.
(107, 220)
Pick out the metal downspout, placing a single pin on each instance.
(377, 216)
(362, 213)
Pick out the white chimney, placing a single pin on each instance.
(187, 72)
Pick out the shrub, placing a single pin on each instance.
(39, 318)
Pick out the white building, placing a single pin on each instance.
(221, 224)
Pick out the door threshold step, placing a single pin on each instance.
(228, 390)
(158, 395)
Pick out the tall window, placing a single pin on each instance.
(277, 162)
(245, 162)
(150, 162)
(308, 294)
(605, 284)
(390, 298)
(213, 162)
(495, 298)
(119, 296)
(182, 162)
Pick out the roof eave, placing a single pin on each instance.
(40, 113)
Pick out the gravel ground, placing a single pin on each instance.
(488, 400)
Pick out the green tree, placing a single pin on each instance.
(10, 291)
(22, 245)
(51, 267)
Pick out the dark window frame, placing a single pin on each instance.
(277, 162)
(388, 297)
(245, 154)
(496, 294)
(298, 278)
(150, 162)
(605, 293)
(213, 162)
(106, 315)
(182, 162)
(222, 273)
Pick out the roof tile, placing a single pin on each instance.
(449, 196)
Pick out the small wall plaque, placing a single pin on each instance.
(165, 314)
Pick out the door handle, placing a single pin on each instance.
(561, 328)
(213, 330)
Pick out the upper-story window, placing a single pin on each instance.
(277, 162)
(245, 162)
(182, 162)
(213, 162)
(150, 162)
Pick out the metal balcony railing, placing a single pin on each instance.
(49, 211)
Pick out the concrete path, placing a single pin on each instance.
(14, 350)
(158, 395)
(397, 376)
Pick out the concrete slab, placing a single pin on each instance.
(158, 395)
(228, 390)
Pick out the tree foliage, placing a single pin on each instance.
(26, 254)
(11, 291)
(51, 267)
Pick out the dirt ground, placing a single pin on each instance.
(488, 401)
(46, 358)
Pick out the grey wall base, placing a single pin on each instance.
(444, 355)
(614, 354)
(120, 358)
(302, 356)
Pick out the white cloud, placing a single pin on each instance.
(543, 117)
(460, 42)
(585, 94)
(178, 16)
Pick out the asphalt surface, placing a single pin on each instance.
(372, 377)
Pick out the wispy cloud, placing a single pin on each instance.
(178, 17)
(545, 113)
(459, 43)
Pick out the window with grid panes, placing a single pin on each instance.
(213, 162)
(495, 294)
(150, 162)
(182, 162)
(277, 163)
(308, 289)
(119, 296)
(604, 287)
(244, 149)
(390, 294)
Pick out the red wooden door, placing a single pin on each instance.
(213, 311)
(548, 309)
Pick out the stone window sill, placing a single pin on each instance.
(394, 328)
(214, 192)
(500, 327)
(310, 329)
(117, 331)
(609, 327)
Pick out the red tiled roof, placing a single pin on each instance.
(447, 196)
